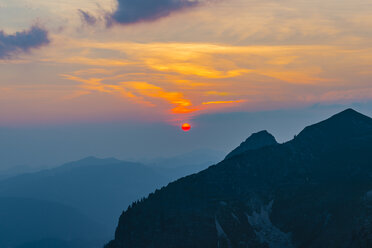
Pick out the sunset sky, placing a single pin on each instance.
(171, 61)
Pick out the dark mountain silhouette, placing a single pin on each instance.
(313, 191)
(24, 220)
(255, 141)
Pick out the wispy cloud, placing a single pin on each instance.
(193, 78)
(24, 41)
(224, 102)
(217, 93)
(177, 99)
(140, 92)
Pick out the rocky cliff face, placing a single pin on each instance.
(314, 191)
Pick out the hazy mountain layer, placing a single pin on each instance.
(99, 188)
(24, 220)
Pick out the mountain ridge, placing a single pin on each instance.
(258, 198)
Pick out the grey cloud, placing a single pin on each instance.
(87, 17)
(23, 41)
(133, 11)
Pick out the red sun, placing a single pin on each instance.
(186, 127)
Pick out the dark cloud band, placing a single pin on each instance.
(133, 11)
(23, 41)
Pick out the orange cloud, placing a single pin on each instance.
(194, 69)
(96, 84)
(188, 78)
(223, 102)
(141, 92)
(217, 93)
(175, 98)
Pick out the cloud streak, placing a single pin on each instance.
(140, 92)
(130, 12)
(87, 17)
(23, 41)
(223, 102)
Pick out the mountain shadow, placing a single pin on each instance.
(313, 191)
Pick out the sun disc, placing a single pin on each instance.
(186, 127)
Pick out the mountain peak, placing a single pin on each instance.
(349, 114)
(253, 142)
(348, 123)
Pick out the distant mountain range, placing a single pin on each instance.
(23, 220)
(17, 170)
(313, 191)
(86, 197)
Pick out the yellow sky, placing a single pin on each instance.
(221, 56)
